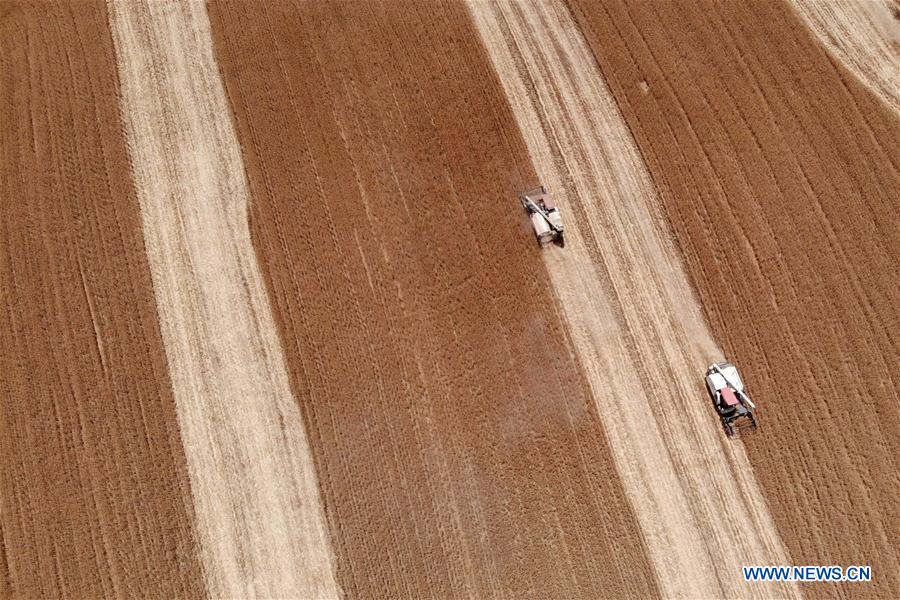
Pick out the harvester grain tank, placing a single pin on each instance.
(729, 398)
(545, 216)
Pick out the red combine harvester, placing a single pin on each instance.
(731, 402)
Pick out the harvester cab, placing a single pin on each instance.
(729, 398)
(545, 217)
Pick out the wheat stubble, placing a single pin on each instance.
(94, 498)
(458, 449)
(778, 170)
(259, 521)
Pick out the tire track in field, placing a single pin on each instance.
(259, 519)
(864, 36)
(633, 316)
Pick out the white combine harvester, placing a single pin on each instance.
(727, 392)
(545, 217)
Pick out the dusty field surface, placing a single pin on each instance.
(457, 446)
(778, 171)
(94, 496)
(631, 312)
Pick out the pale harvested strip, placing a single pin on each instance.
(862, 34)
(634, 318)
(260, 523)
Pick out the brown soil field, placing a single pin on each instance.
(274, 324)
(456, 443)
(778, 171)
(94, 497)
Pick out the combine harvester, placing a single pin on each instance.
(545, 217)
(727, 392)
(722, 379)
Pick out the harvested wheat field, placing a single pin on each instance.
(274, 323)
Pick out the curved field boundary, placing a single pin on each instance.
(864, 35)
(260, 524)
(631, 312)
